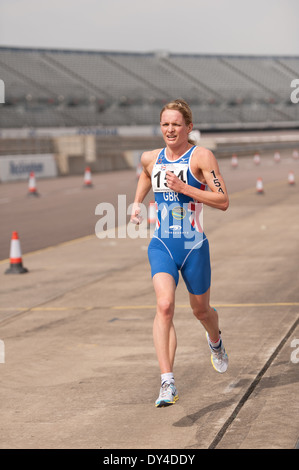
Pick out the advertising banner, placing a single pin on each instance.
(19, 167)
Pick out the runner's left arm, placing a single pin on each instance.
(217, 197)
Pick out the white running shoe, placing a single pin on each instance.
(219, 357)
(168, 395)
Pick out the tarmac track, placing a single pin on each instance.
(80, 369)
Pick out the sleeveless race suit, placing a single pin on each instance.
(179, 242)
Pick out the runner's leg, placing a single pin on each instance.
(208, 317)
(163, 329)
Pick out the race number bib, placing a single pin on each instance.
(159, 182)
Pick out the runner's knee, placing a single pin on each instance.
(201, 313)
(165, 307)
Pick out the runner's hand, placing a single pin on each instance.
(136, 218)
(173, 182)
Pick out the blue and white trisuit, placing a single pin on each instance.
(179, 242)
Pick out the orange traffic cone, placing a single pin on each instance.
(291, 178)
(32, 191)
(257, 158)
(234, 161)
(16, 265)
(277, 157)
(259, 186)
(152, 213)
(87, 178)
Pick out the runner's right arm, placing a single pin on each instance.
(143, 187)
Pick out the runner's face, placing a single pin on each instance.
(174, 129)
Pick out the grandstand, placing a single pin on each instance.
(62, 88)
(102, 108)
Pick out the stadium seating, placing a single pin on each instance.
(54, 88)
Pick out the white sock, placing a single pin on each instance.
(215, 345)
(167, 377)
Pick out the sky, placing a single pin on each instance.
(258, 27)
